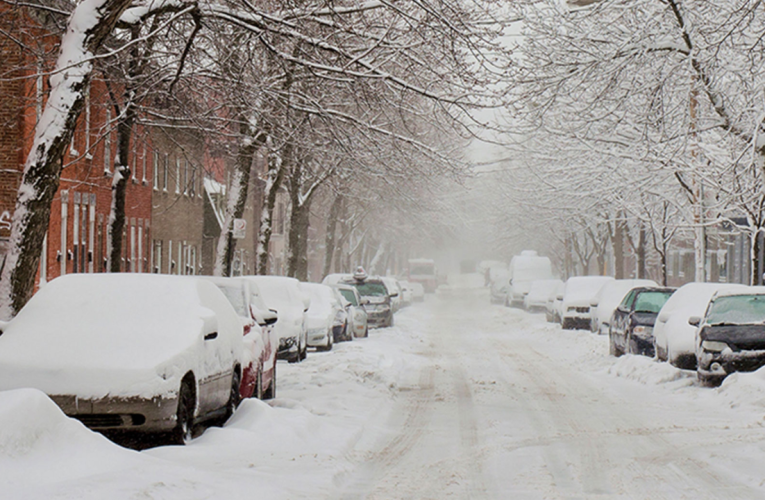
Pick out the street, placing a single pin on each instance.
(461, 399)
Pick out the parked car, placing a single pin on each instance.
(260, 341)
(336, 278)
(575, 301)
(326, 319)
(731, 335)
(540, 291)
(418, 291)
(608, 299)
(284, 295)
(499, 287)
(423, 271)
(142, 353)
(407, 293)
(394, 291)
(523, 270)
(674, 339)
(378, 305)
(554, 301)
(631, 326)
(357, 316)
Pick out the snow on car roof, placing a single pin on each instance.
(107, 322)
(740, 290)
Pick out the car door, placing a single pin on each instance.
(620, 320)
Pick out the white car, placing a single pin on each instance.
(540, 291)
(284, 295)
(394, 292)
(326, 319)
(608, 299)
(357, 315)
(674, 338)
(418, 291)
(554, 300)
(124, 352)
(524, 269)
(577, 297)
(407, 292)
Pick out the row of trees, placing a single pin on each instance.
(635, 122)
(367, 103)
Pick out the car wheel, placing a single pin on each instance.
(613, 350)
(270, 393)
(327, 347)
(187, 402)
(366, 332)
(259, 384)
(234, 397)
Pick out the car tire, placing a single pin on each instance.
(259, 392)
(327, 347)
(234, 397)
(270, 393)
(612, 349)
(187, 402)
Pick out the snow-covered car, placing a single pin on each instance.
(326, 320)
(608, 299)
(731, 335)
(377, 296)
(539, 292)
(357, 316)
(418, 291)
(394, 291)
(499, 287)
(674, 339)
(577, 297)
(260, 342)
(631, 326)
(284, 295)
(407, 293)
(554, 301)
(524, 269)
(335, 278)
(128, 352)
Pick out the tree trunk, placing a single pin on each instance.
(236, 199)
(88, 27)
(618, 247)
(329, 241)
(756, 275)
(640, 252)
(276, 169)
(297, 260)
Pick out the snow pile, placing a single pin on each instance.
(38, 443)
(744, 389)
(647, 371)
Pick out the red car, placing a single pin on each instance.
(259, 367)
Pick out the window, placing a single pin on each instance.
(186, 178)
(193, 186)
(157, 256)
(177, 176)
(143, 165)
(166, 167)
(155, 165)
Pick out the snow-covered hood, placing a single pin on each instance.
(377, 300)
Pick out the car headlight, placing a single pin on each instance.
(713, 346)
(643, 331)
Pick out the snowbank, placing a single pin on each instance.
(647, 371)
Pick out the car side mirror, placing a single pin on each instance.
(663, 317)
(364, 302)
(559, 297)
(270, 317)
(210, 327)
(594, 303)
(394, 295)
(694, 321)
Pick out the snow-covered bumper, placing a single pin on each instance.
(716, 360)
(378, 315)
(642, 340)
(576, 317)
(157, 414)
(318, 337)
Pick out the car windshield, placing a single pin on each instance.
(651, 302)
(235, 295)
(737, 310)
(349, 296)
(371, 289)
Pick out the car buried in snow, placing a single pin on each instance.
(378, 298)
(357, 316)
(283, 295)
(631, 325)
(731, 335)
(608, 299)
(260, 341)
(577, 296)
(539, 292)
(326, 319)
(138, 353)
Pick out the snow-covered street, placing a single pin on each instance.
(461, 399)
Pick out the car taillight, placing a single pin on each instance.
(247, 329)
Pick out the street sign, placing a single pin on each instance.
(240, 226)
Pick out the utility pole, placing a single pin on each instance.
(699, 245)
